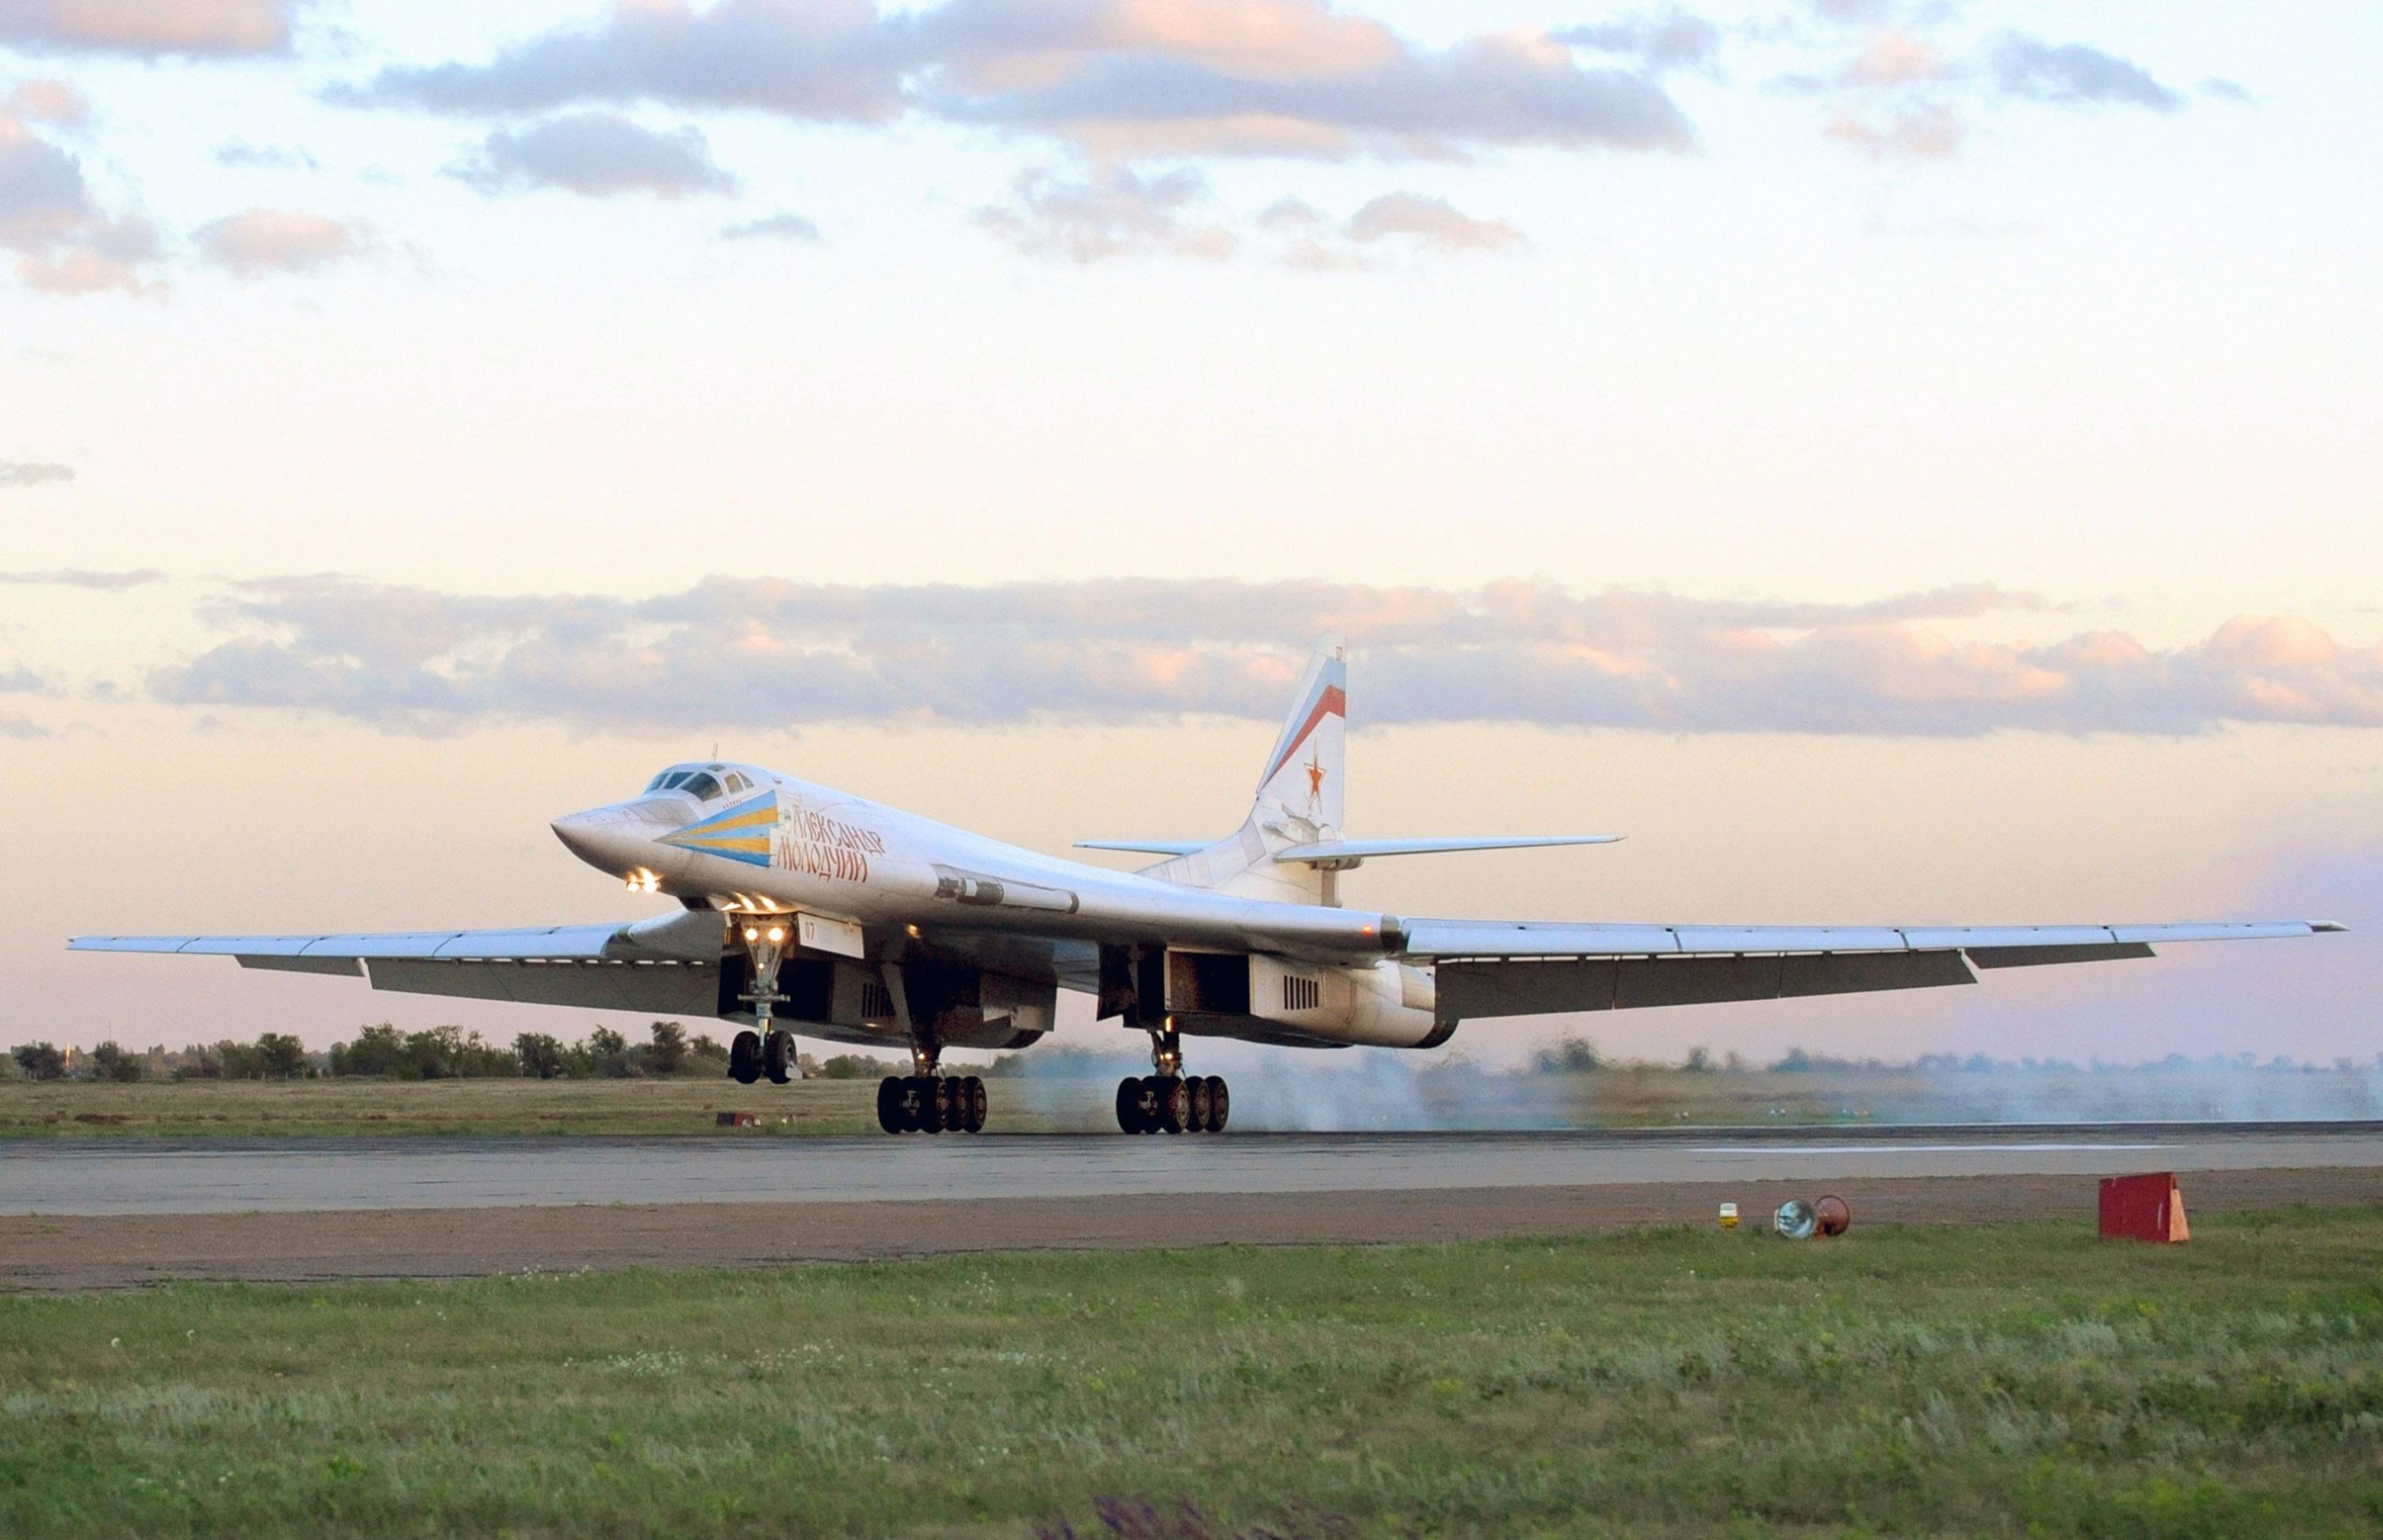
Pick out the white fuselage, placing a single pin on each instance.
(790, 845)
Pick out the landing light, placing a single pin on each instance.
(751, 933)
(777, 932)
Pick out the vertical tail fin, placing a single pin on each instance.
(1301, 783)
(1297, 799)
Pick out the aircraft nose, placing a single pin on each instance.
(578, 833)
(610, 839)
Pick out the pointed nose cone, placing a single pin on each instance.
(595, 837)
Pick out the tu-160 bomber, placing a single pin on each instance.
(806, 909)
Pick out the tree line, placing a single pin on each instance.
(382, 1052)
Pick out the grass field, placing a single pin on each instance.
(1385, 1092)
(1996, 1382)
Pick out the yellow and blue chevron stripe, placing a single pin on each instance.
(741, 833)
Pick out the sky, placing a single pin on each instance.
(1908, 463)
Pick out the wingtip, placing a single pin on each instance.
(2327, 927)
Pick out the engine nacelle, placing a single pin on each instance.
(1387, 1005)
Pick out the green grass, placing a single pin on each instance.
(2014, 1381)
(345, 1107)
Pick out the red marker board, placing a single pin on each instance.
(2148, 1207)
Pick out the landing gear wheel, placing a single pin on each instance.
(1128, 1105)
(776, 1055)
(890, 1114)
(1220, 1103)
(930, 1104)
(745, 1058)
(1174, 1104)
(974, 1103)
(1198, 1085)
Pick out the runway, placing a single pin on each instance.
(96, 1178)
(94, 1214)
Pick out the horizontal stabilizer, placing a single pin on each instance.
(1358, 850)
(1145, 847)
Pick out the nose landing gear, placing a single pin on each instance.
(767, 1052)
(1169, 1101)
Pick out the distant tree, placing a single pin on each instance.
(1797, 1061)
(40, 1061)
(241, 1061)
(706, 1046)
(110, 1062)
(854, 1066)
(1572, 1056)
(483, 1060)
(282, 1057)
(667, 1054)
(1699, 1061)
(198, 1062)
(541, 1055)
(379, 1049)
(606, 1052)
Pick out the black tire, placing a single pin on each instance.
(1198, 1085)
(745, 1058)
(1174, 1104)
(978, 1104)
(1220, 1103)
(889, 1106)
(1128, 1105)
(777, 1055)
(930, 1104)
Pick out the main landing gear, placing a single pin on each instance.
(767, 1052)
(930, 1104)
(927, 1102)
(1169, 1101)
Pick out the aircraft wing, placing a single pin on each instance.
(1509, 968)
(668, 963)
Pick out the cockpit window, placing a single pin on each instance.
(655, 784)
(701, 785)
(738, 783)
(675, 779)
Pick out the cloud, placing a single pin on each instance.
(1922, 133)
(33, 473)
(1432, 224)
(64, 242)
(241, 152)
(1111, 212)
(79, 577)
(1661, 40)
(2219, 88)
(1116, 213)
(597, 155)
(1122, 78)
(2072, 74)
(25, 682)
(149, 26)
(16, 724)
(48, 102)
(732, 651)
(772, 227)
(263, 242)
(1894, 58)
